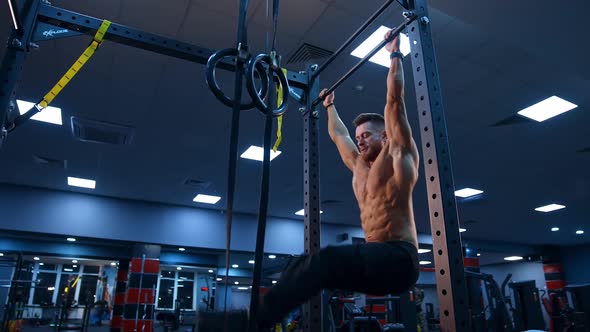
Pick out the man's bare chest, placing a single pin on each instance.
(374, 180)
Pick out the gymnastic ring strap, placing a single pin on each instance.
(216, 90)
(257, 98)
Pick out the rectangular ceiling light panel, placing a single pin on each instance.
(550, 207)
(207, 199)
(467, 192)
(49, 114)
(547, 109)
(381, 57)
(82, 183)
(257, 153)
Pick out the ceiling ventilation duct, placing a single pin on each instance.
(101, 132)
(308, 53)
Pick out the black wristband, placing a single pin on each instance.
(330, 104)
(396, 55)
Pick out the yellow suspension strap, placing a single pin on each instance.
(75, 68)
(280, 118)
(67, 289)
(68, 76)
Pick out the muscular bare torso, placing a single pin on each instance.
(384, 194)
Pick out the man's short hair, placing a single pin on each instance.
(369, 117)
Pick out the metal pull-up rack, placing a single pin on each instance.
(32, 17)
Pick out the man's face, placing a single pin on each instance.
(369, 137)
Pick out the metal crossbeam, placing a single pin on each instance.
(77, 23)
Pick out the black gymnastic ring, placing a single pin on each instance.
(257, 97)
(216, 90)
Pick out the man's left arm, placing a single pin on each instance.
(397, 127)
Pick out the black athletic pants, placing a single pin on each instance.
(370, 268)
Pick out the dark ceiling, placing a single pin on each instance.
(494, 59)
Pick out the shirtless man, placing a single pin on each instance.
(385, 171)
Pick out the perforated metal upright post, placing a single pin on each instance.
(448, 255)
(312, 320)
(17, 50)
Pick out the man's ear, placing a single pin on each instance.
(384, 135)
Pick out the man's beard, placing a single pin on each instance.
(370, 154)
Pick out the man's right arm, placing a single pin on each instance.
(340, 136)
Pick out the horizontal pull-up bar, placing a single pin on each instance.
(395, 33)
(352, 37)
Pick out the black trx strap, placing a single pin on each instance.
(265, 185)
(255, 68)
(235, 129)
(275, 20)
